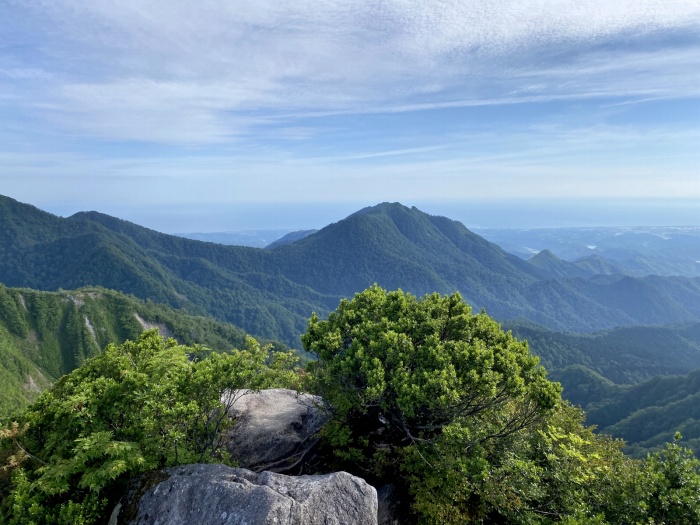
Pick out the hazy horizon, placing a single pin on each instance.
(314, 215)
(253, 115)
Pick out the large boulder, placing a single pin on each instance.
(274, 429)
(221, 495)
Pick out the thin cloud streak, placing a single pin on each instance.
(537, 162)
(185, 74)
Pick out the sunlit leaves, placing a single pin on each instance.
(423, 388)
(144, 404)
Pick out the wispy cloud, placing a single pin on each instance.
(207, 72)
(176, 103)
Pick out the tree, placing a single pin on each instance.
(423, 389)
(672, 485)
(145, 404)
(445, 403)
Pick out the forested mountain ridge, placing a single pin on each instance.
(553, 266)
(646, 415)
(271, 293)
(41, 251)
(622, 355)
(44, 335)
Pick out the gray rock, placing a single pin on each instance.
(274, 429)
(221, 495)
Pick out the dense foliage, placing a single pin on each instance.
(427, 395)
(145, 404)
(270, 292)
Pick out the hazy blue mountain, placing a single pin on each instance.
(552, 266)
(597, 265)
(634, 251)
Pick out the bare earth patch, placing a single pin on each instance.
(162, 328)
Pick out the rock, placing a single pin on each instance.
(274, 430)
(207, 494)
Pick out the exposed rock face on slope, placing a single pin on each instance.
(217, 494)
(274, 429)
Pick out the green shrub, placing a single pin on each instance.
(141, 405)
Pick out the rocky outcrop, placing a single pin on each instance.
(274, 430)
(221, 495)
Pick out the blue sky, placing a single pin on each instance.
(215, 115)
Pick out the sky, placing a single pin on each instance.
(251, 114)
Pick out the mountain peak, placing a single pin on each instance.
(384, 207)
(553, 266)
(545, 255)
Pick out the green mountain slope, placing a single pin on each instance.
(398, 247)
(271, 293)
(641, 384)
(621, 355)
(646, 415)
(44, 335)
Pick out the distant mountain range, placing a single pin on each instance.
(639, 383)
(272, 292)
(636, 251)
(623, 355)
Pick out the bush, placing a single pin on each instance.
(422, 390)
(145, 404)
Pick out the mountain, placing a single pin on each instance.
(621, 355)
(44, 335)
(649, 414)
(637, 251)
(271, 293)
(597, 265)
(646, 415)
(235, 284)
(553, 266)
(663, 363)
(398, 247)
(290, 238)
